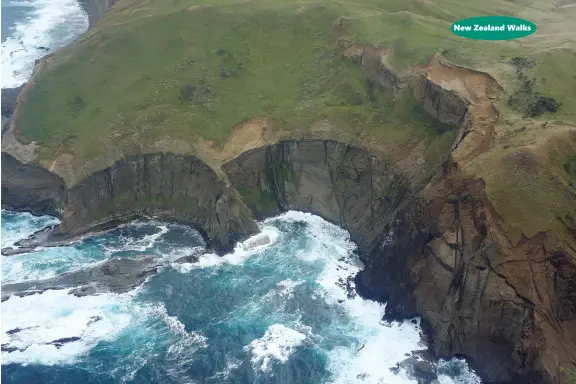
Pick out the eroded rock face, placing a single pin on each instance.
(447, 107)
(31, 187)
(162, 185)
(344, 184)
(446, 258)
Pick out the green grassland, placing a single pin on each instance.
(156, 68)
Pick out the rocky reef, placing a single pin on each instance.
(114, 275)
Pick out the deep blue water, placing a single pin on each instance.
(276, 313)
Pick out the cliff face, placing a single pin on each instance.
(344, 184)
(446, 258)
(447, 107)
(169, 186)
(32, 188)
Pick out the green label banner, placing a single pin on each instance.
(493, 28)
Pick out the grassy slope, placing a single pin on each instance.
(282, 57)
(171, 68)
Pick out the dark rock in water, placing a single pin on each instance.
(60, 342)
(10, 251)
(350, 288)
(36, 239)
(93, 319)
(44, 48)
(424, 367)
(188, 259)
(13, 331)
(7, 348)
(115, 275)
(423, 371)
(395, 370)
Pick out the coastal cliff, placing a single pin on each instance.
(161, 185)
(344, 184)
(218, 135)
(446, 258)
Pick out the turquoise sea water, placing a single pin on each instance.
(276, 313)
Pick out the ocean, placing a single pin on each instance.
(32, 29)
(276, 313)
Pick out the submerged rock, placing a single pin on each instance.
(188, 259)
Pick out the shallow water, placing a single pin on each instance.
(277, 313)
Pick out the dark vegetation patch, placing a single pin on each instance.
(527, 99)
(541, 105)
(191, 92)
(75, 106)
(522, 62)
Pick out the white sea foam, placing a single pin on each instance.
(139, 244)
(379, 346)
(45, 263)
(242, 251)
(231, 364)
(278, 343)
(49, 23)
(286, 287)
(54, 315)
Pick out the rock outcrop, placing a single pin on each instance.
(114, 275)
(162, 185)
